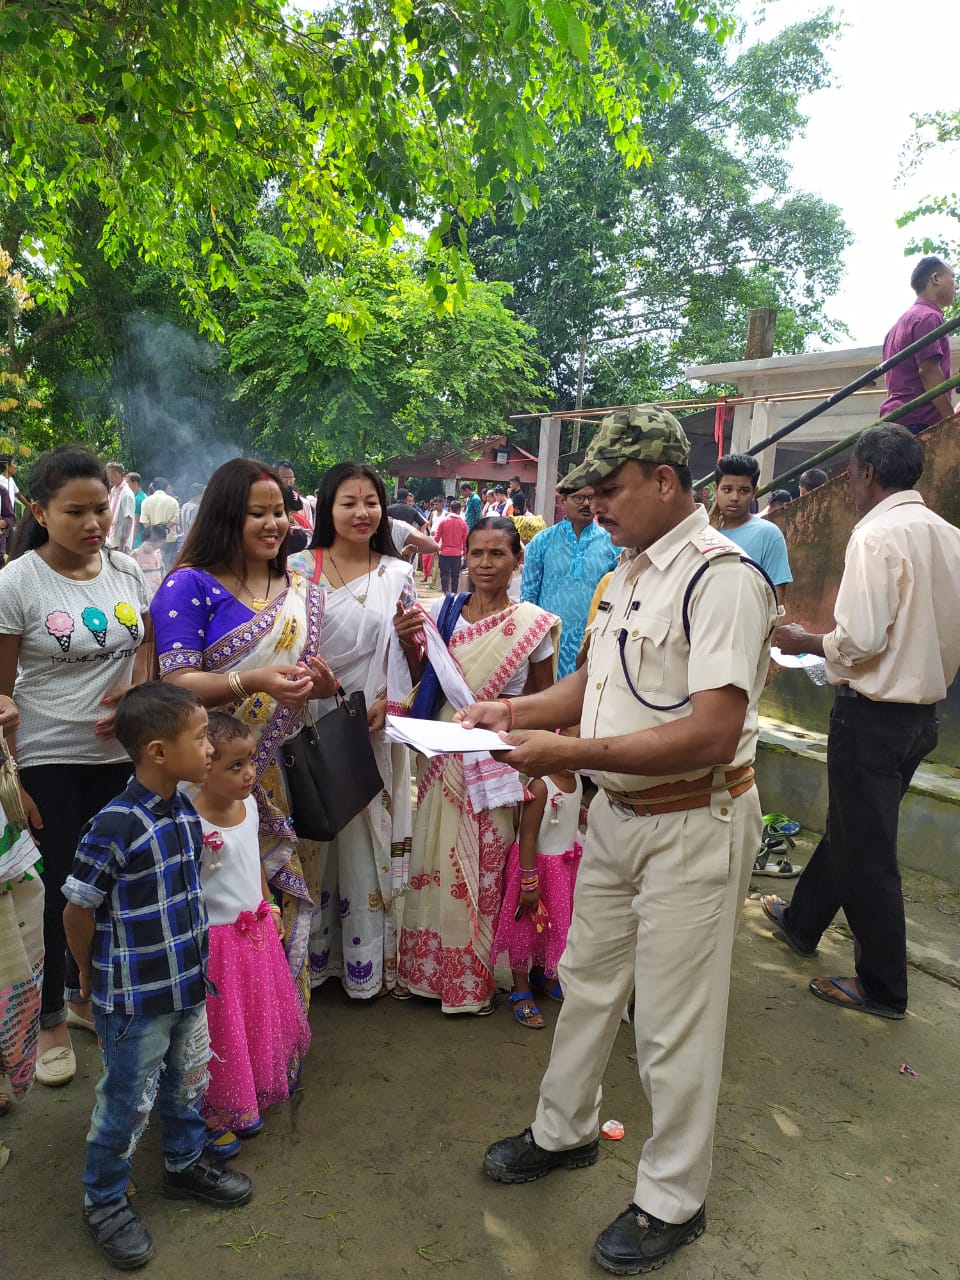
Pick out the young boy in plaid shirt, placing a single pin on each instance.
(136, 924)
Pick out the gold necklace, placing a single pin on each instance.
(360, 599)
(256, 603)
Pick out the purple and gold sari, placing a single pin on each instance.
(201, 626)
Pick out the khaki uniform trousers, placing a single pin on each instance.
(656, 907)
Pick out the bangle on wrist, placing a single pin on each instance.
(236, 684)
(507, 702)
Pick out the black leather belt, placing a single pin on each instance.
(844, 691)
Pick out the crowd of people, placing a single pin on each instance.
(178, 913)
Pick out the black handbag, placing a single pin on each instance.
(331, 770)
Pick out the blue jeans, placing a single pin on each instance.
(145, 1058)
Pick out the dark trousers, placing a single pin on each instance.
(873, 750)
(449, 573)
(68, 796)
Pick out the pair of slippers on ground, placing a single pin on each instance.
(847, 993)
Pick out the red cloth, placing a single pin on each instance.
(452, 535)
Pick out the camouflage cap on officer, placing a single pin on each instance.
(642, 432)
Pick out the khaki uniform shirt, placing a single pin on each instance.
(897, 633)
(732, 612)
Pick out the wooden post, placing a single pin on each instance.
(575, 431)
(760, 333)
(547, 462)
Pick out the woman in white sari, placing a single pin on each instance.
(353, 878)
(235, 627)
(467, 805)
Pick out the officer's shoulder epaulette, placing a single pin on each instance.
(711, 543)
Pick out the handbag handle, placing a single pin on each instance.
(342, 698)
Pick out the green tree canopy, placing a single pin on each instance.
(356, 363)
(181, 117)
(649, 269)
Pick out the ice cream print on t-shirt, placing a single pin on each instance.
(62, 627)
(95, 620)
(127, 616)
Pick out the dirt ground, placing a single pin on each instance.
(829, 1162)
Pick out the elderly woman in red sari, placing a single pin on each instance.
(467, 807)
(242, 632)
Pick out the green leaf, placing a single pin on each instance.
(578, 36)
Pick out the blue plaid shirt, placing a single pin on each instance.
(137, 869)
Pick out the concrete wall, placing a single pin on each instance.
(817, 528)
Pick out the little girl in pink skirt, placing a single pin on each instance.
(538, 893)
(258, 1031)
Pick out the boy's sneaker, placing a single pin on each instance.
(208, 1180)
(123, 1239)
(222, 1145)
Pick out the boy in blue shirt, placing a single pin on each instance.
(737, 476)
(137, 926)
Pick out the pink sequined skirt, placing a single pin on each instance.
(517, 941)
(258, 1031)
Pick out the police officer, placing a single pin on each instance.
(667, 707)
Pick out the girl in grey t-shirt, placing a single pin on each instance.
(73, 617)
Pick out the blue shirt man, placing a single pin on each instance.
(737, 475)
(472, 506)
(561, 569)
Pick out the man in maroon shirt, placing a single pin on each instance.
(934, 284)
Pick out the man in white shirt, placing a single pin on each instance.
(8, 469)
(161, 508)
(892, 655)
(123, 509)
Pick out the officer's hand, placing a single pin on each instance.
(791, 638)
(536, 751)
(484, 715)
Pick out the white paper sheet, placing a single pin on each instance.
(440, 737)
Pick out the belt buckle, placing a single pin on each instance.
(629, 810)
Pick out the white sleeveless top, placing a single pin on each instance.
(230, 877)
(561, 819)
